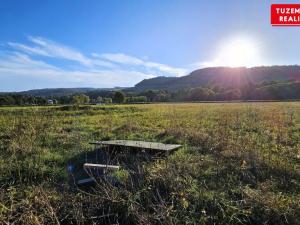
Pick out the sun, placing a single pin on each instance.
(239, 52)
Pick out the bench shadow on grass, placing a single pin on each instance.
(128, 158)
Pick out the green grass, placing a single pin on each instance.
(240, 164)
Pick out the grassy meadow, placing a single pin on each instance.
(240, 164)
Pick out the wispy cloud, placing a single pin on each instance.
(130, 60)
(23, 66)
(120, 58)
(45, 47)
(19, 61)
(31, 61)
(28, 49)
(49, 48)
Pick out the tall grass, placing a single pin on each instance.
(240, 164)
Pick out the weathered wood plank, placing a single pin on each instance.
(139, 144)
(100, 166)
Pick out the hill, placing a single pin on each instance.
(224, 77)
(208, 84)
(155, 83)
(59, 92)
(55, 91)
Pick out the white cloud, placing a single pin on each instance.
(57, 50)
(28, 49)
(167, 69)
(49, 48)
(30, 62)
(122, 58)
(130, 60)
(45, 47)
(19, 60)
(25, 67)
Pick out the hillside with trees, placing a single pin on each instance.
(224, 77)
(209, 84)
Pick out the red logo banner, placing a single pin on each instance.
(285, 14)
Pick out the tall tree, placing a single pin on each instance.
(80, 99)
(119, 97)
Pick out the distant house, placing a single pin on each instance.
(51, 101)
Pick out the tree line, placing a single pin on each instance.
(271, 90)
(262, 91)
(77, 99)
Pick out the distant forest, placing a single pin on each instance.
(267, 90)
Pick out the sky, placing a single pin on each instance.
(109, 43)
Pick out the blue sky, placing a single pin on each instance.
(107, 43)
